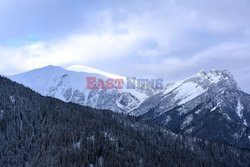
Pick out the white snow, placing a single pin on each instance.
(168, 119)
(245, 122)
(137, 94)
(86, 69)
(224, 114)
(215, 107)
(239, 109)
(198, 111)
(213, 78)
(187, 121)
(1, 114)
(21, 125)
(117, 102)
(77, 145)
(93, 100)
(188, 91)
(189, 130)
(171, 87)
(12, 99)
(237, 135)
(109, 136)
(55, 82)
(227, 116)
(192, 87)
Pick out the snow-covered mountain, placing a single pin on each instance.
(208, 105)
(70, 86)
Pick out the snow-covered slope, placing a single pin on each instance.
(70, 86)
(208, 105)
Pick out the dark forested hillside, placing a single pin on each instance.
(42, 131)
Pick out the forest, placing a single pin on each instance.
(43, 131)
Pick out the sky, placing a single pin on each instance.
(170, 39)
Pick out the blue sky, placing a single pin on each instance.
(171, 39)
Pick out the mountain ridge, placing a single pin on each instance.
(70, 86)
(44, 131)
(207, 105)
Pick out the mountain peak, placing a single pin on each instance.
(86, 69)
(199, 83)
(52, 67)
(214, 76)
(223, 74)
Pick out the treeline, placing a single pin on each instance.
(42, 131)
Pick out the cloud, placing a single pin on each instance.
(231, 56)
(163, 38)
(75, 49)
